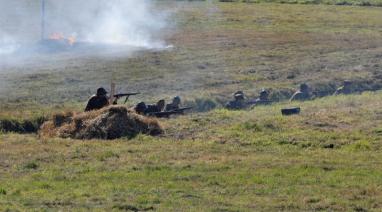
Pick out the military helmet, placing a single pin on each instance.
(238, 93)
(239, 96)
(263, 92)
(161, 103)
(176, 100)
(101, 91)
(140, 107)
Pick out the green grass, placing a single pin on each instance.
(220, 48)
(327, 158)
(368, 3)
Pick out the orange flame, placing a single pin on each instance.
(71, 40)
(56, 36)
(59, 36)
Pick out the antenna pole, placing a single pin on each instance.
(42, 19)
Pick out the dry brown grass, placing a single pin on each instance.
(109, 123)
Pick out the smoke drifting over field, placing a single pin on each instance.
(117, 22)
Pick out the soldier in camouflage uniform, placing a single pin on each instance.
(302, 94)
(262, 100)
(238, 102)
(140, 108)
(156, 108)
(98, 100)
(174, 105)
(345, 89)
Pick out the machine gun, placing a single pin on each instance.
(127, 95)
(167, 114)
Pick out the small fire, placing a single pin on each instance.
(71, 40)
(56, 36)
(59, 36)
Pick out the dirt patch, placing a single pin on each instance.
(109, 123)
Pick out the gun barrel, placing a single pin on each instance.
(162, 114)
(126, 94)
(183, 109)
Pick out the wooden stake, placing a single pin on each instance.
(112, 92)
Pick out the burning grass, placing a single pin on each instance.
(110, 123)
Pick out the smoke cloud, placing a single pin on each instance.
(115, 22)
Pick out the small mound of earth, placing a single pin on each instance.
(109, 123)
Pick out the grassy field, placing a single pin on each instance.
(220, 48)
(367, 3)
(327, 158)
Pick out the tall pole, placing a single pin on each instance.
(42, 19)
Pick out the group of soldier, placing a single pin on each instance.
(101, 100)
(161, 109)
(304, 93)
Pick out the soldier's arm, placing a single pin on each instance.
(89, 105)
(107, 103)
(293, 97)
(337, 92)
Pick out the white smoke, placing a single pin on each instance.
(8, 45)
(135, 23)
(131, 23)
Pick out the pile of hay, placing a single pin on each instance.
(108, 123)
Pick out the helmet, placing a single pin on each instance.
(239, 96)
(161, 103)
(238, 93)
(263, 92)
(176, 100)
(101, 91)
(140, 107)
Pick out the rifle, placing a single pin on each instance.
(181, 110)
(260, 102)
(117, 96)
(167, 114)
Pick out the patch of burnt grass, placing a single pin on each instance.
(21, 126)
